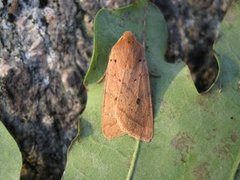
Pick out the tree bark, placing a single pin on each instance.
(193, 27)
(42, 69)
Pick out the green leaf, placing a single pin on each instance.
(144, 19)
(195, 136)
(10, 157)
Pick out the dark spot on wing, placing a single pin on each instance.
(138, 100)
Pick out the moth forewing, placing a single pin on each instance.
(127, 107)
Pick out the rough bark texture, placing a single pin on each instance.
(45, 47)
(42, 68)
(193, 28)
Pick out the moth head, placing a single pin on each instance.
(128, 36)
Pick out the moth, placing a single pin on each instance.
(127, 104)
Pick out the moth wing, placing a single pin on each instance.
(112, 85)
(134, 106)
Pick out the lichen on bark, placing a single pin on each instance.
(193, 28)
(42, 92)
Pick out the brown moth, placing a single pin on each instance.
(127, 106)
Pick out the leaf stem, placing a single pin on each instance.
(133, 162)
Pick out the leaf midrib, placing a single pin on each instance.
(133, 162)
